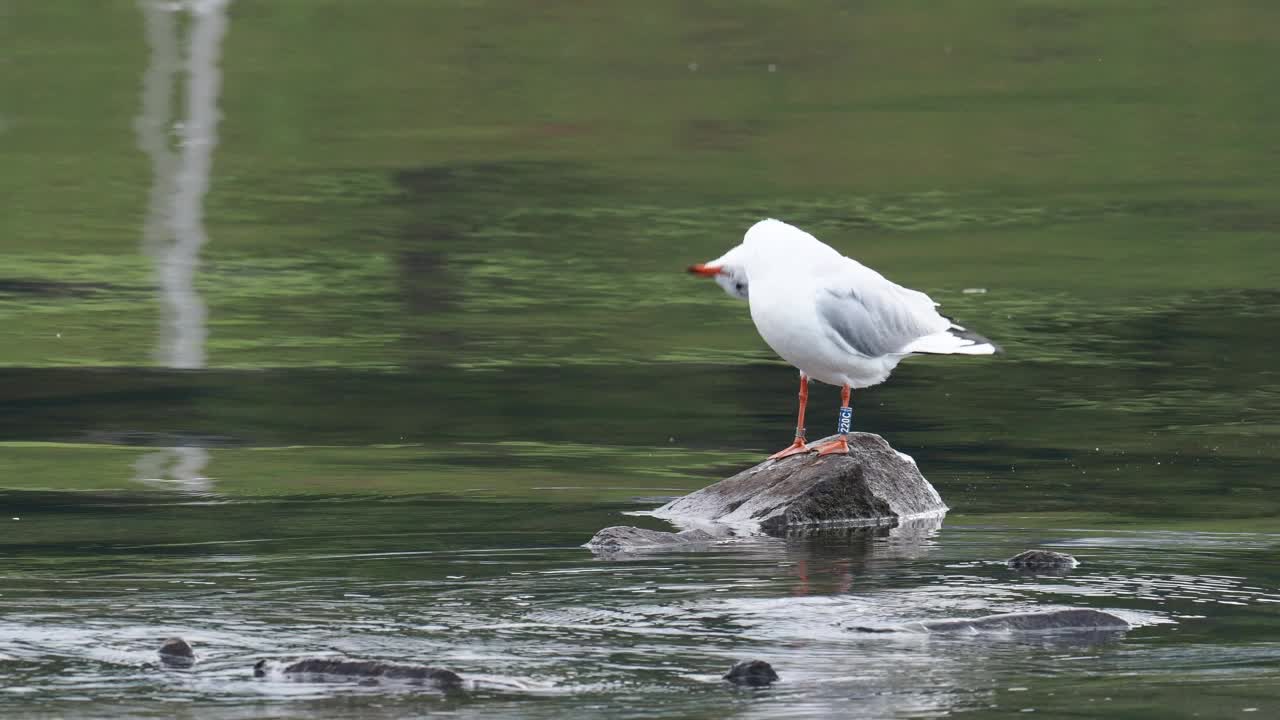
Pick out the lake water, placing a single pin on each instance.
(337, 328)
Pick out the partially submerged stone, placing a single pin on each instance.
(177, 653)
(1042, 560)
(340, 669)
(1048, 620)
(1070, 619)
(624, 538)
(755, 673)
(872, 484)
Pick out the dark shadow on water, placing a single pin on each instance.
(47, 289)
(148, 406)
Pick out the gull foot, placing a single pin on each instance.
(795, 448)
(835, 447)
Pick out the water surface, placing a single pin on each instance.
(345, 344)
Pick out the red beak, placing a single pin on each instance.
(707, 270)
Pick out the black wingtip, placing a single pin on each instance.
(975, 338)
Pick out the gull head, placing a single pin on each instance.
(769, 246)
(729, 271)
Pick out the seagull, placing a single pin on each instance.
(834, 319)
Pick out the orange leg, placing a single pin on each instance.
(798, 446)
(840, 446)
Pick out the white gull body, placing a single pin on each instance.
(833, 318)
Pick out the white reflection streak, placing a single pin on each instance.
(177, 468)
(5, 12)
(174, 230)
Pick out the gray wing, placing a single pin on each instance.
(881, 319)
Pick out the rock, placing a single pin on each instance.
(873, 484)
(1070, 619)
(176, 652)
(328, 669)
(755, 673)
(1042, 560)
(624, 538)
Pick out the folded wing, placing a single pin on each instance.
(874, 317)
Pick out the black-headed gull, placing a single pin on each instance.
(833, 318)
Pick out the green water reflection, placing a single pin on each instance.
(331, 280)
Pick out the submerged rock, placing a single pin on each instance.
(1042, 560)
(1070, 619)
(176, 652)
(755, 673)
(623, 538)
(872, 484)
(329, 669)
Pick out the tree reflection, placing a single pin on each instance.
(181, 152)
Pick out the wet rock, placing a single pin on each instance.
(624, 538)
(755, 673)
(1070, 619)
(872, 484)
(366, 671)
(176, 652)
(1042, 560)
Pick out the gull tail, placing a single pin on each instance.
(955, 340)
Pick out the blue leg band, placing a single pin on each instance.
(846, 420)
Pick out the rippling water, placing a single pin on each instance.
(345, 345)
(539, 627)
